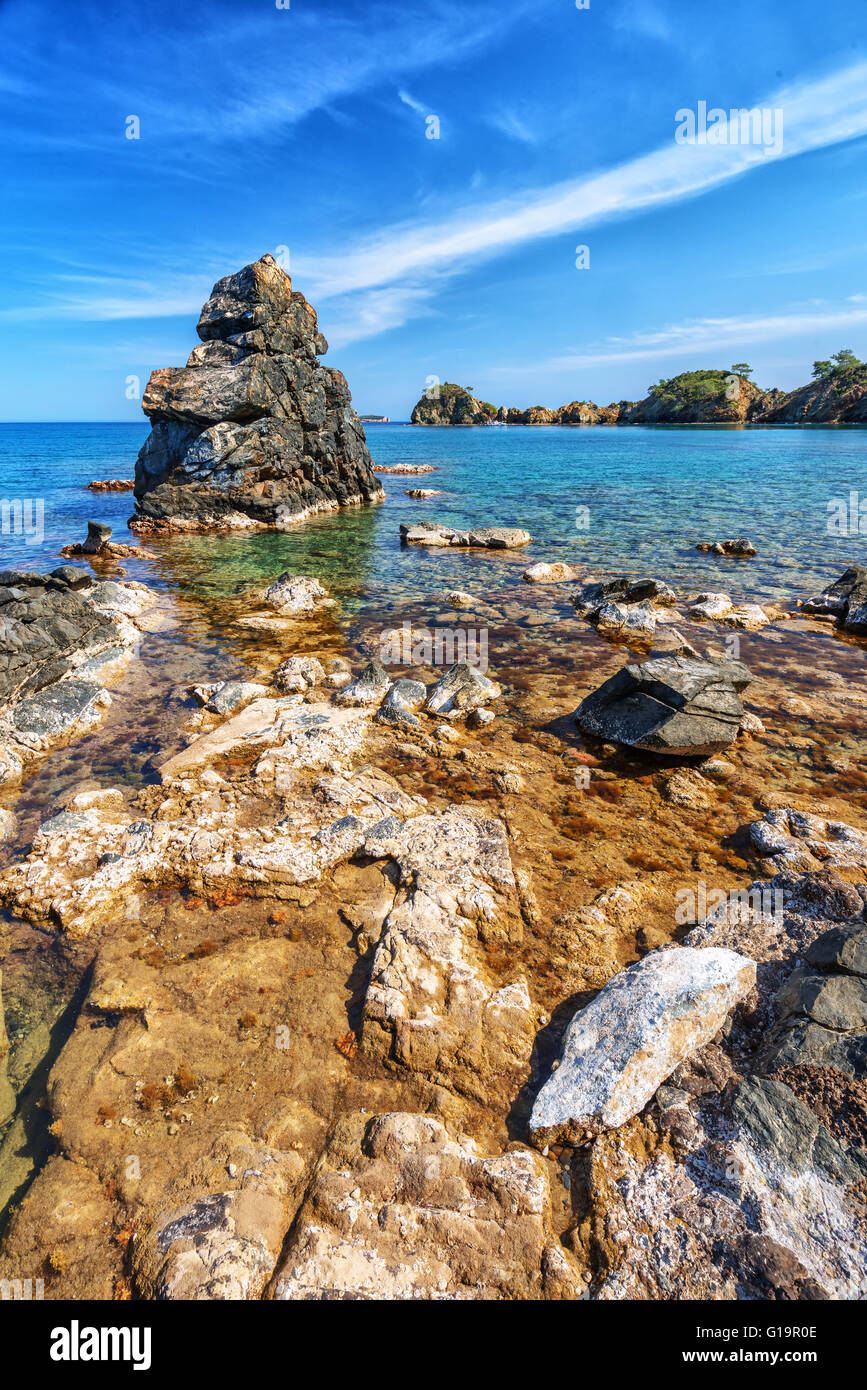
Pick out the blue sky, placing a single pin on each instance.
(306, 128)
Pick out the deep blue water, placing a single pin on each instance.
(650, 495)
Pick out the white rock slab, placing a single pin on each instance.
(622, 1046)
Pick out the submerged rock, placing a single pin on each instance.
(294, 593)
(741, 548)
(554, 573)
(799, 841)
(253, 431)
(623, 1045)
(669, 704)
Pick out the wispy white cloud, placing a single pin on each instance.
(261, 69)
(704, 335)
(413, 105)
(816, 114)
(381, 282)
(510, 124)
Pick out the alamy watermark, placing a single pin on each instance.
(762, 126)
(23, 516)
(442, 646)
(21, 1290)
(847, 516)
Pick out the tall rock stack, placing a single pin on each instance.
(253, 431)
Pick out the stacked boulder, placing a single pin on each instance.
(253, 431)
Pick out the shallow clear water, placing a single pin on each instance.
(650, 494)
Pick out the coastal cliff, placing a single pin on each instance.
(253, 431)
(837, 395)
(449, 404)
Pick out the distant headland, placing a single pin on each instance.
(837, 394)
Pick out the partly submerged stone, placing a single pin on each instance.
(709, 607)
(369, 687)
(461, 689)
(624, 1044)
(554, 573)
(669, 704)
(401, 702)
(740, 548)
(294, 593)
(796, 840)
(478, 537)
(233, 695)
(845, 600)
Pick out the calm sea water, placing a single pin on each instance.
(649, 493)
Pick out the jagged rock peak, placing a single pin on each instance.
(253, 431)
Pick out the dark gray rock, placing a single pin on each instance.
(72, 577)
(50, 713)
(42, 632)
(781, 1126)
(801, 1043)
(841, 948)
(834, 1001)
(594, 595)
(846, 599)
(669, 705)
(253, 429)
(97, 536)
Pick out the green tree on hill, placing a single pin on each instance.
(843, 369)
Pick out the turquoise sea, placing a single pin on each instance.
(614, 499)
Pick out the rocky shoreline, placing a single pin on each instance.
(715, 397)
(385, 987)
(339, 964)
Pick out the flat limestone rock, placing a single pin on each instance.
(399, 1209)
(479, 538)
(621, 1047)
(670, 704)
(432, 1007)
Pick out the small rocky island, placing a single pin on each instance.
(253, 431)
(836, 395)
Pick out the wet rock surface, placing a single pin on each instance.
(845, 600)
(61, 637)
(330, 953)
